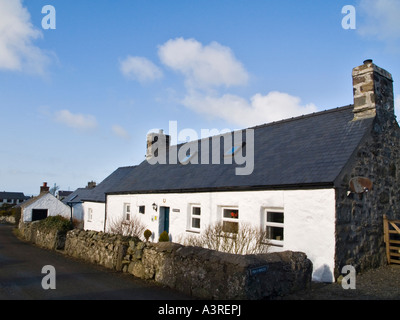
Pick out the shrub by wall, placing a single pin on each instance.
(49, 233)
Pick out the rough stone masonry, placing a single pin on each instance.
(359, 234)
(199, 272)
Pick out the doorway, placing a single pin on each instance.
(39, 214)
(163, 224)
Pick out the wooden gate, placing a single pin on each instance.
(392, 240)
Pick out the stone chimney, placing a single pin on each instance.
(156, 142)
(91, 185)
(44, 188)
(373, 92)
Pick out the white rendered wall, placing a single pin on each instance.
(309, 217)
(310, 227)
(52, 204)
(96, 223)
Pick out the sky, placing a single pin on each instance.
(82, 83)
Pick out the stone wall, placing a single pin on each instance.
(199, 272)
(49, 239)
(7, 219)
(98, 247)
(359, 234)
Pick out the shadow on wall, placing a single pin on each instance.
(323, 274)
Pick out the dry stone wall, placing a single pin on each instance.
(7, 219)
(359, 234)
(199, 272)
(49, 239)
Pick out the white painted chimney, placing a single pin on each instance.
(156, 142)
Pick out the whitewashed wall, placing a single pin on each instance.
(52, 204)
(309, 217)
(96, 223)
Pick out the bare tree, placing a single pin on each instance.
(247, 239)
(133, 227)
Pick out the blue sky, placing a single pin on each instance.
(77, 101)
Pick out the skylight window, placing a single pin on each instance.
(187, 157)
(232, 151)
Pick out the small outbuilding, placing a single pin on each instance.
(43, 206)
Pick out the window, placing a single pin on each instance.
(90, 214)
(195, 217)
(127, 211)
(187, 157)
(230, 220)
(232, 151)
(274, 222)
(142, 209)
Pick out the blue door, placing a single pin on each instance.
(164, 220)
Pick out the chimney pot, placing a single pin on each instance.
(44, 188)
(367, 61)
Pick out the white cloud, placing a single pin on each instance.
(260, 109)
(380, 19)
(120, 132)
(17, 51)
(140, 69)
(77, 121)
(204, 67)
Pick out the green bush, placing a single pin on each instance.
(6, 210)
(147, 234)
(163, 237)
(56, 222)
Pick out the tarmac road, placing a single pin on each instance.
(21, 276)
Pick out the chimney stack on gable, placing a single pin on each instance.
(373, 92)
(156, 142)
(44, 188)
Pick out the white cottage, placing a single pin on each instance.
(88, 204)
(43, 206)
(296, 180)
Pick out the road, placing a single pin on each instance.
(21, 276)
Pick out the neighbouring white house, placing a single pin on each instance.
(12, 198)
(88, 204)
(43, 206)
(319, 183)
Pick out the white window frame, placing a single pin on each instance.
(191, 216)
(127, 211)
(232, 220)
(90, 214)
(267, 224)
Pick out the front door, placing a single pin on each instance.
(164, 220)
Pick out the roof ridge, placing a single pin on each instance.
(304, 116)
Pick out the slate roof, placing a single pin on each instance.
(310, 150)
(98, 193)
(32, 200)
(13, 195)
(62, 193)
(77, 195)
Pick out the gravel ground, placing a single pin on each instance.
(378, 284)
